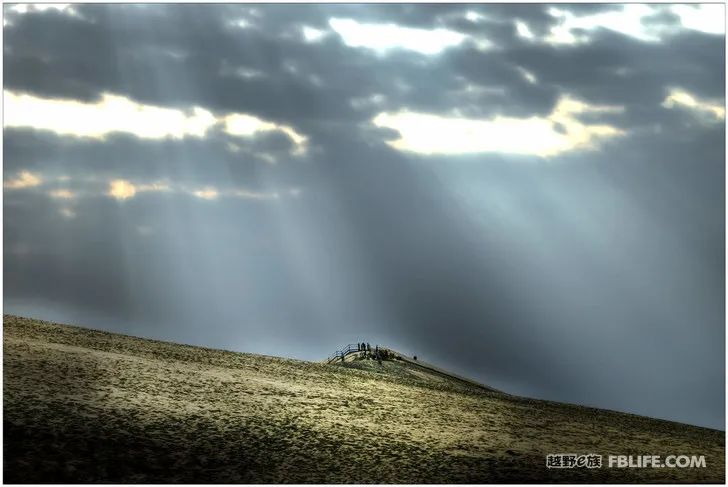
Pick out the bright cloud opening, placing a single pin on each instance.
(255, 195)
(383, 37)
(111, 114)
(628, 21)
(23, 8)
(62, 194)
(679, 98)
(206, 193)
(709, 18)
(575, 29)
(559, 132)
(25, 179)
(248, 125)
(313, 35)
(121, 189)
(64, 8)
(119, 114)
(523, 30)
(237, 124)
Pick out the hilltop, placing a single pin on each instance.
(88, 406)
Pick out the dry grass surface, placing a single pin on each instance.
(89, 406)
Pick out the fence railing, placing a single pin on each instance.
(340, 354)
(354, 348)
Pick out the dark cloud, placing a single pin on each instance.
(594, 277)
(662, 18)
(617, 69)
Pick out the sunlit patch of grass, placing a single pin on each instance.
(83, 405)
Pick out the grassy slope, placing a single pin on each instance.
(82, 405)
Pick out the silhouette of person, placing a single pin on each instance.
(415, 357)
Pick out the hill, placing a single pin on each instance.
(88, 406)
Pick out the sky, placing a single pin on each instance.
(531, 195)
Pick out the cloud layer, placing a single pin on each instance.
(531, 195)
